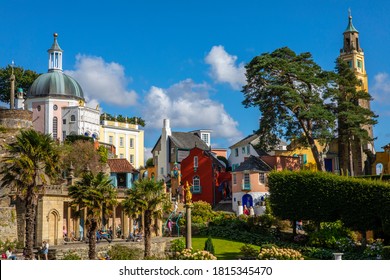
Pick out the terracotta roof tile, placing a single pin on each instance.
(120, 165)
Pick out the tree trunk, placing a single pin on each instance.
(294, 223)
(350, 158)
(316, 154)
(92, 239)
(31, 204)
(148, 237)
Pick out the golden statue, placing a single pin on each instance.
(188, 193)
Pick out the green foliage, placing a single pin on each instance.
(208, 246)
(103, 153)
(71, 256)
(202, 212)
(82, 154)
(267, 220)
(33, 160)
(148, 197)
(74, 138)
(290, 91)
(331, 235)
(24, 78)
(149, 163)
(95, 195)
(123, 119)
(386, 253)
(317, 253)
(323, 197)
(249, 252)
(120, 252)
(4, 245)
(177, 245)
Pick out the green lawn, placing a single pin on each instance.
(224, 249)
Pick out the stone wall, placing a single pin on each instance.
(159, 249)
(15, 118)
(8, 224)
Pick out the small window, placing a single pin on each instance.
(63, 121)
(72, 118)
(243, 150)
(55, 128)
(196, 185)
(248, 149)
(131, 159)
(121, 156)
(205, 138)
(246, 179)
(236, 152)
(359, 63)
(195, 162)
(234, 179)
(121, 142)
(110, 139)
(39, 108)
(162, 170)
(261, 178)
(55, 107)
(350, 63)
(131, 143)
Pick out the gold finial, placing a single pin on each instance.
(55, 35)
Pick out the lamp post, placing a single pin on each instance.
(188, 206)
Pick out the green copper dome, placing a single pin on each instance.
(350, 27)
(56, 84)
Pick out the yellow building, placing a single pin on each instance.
(382, 161)
(329, 154)
(127, 138)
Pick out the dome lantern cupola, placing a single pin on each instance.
(55, 55)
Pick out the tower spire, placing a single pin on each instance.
(55, 55)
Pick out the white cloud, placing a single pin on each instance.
(102, 81)
(188, 106)
(381, 89)
(224, 68)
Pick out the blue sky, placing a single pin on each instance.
(184, 60)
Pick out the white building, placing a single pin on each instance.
(247, 147)
(57, 102)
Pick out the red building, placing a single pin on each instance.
(207, 175)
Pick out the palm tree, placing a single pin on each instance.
(96, 195)
(33, 160)
(148, 197)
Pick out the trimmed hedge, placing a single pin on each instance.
(324, 197)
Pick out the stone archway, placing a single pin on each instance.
(53, 219)
(379, 168)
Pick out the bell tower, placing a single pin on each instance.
(353, 54)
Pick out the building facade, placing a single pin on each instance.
(127, 138)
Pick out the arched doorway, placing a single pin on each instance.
(379, 169)
(53, 229)
(247, 200)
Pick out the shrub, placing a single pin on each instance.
(177, 245)
(249, 252)
(120, 252)
(267, 220)
(189, 254)
(386, 253)
(279, 254)
(202, 212)
(329, 235)
(374, 248)
(317, 253)
(208, 246)
(71, 255)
